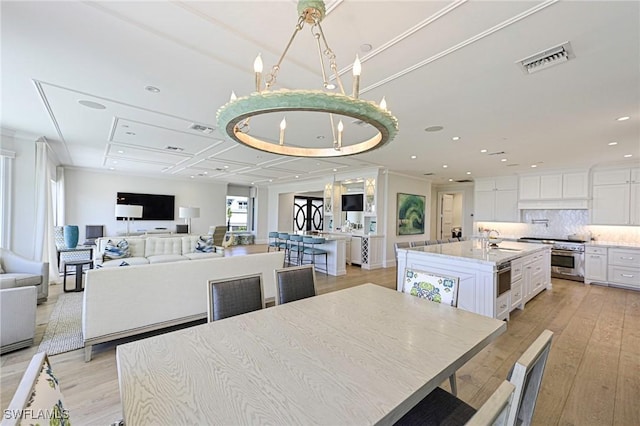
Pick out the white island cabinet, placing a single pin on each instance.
(476, 269)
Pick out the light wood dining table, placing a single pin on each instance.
(364, 355)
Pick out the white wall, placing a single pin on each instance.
(407, 185)
(23, 207)
(90, 199)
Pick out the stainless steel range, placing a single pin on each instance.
(567, 257)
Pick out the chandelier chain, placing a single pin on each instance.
(271, 78)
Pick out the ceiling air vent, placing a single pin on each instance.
(464, 180)
(429, 174)
(547, 58)
(174, 148)
(200, 128)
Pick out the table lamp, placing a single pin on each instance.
(128, 212)
(188, 213)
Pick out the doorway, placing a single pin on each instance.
(450, 214)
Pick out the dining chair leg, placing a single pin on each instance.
(454, 385)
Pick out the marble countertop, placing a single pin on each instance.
(471, 251)
(613, 244)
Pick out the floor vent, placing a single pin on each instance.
(547, 58)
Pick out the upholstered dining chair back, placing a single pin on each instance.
(234, 296)
(38, 394)
(432, 286)
(526, 375)
(295, 283)
(419, 243)
(218, 235)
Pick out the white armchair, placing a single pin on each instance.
(22, 272)
(17, 318)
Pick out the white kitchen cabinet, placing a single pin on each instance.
(616, 197)
(503, 306)
(595, 265)
(496, 199)
(356, 250)
(575, 185)
(557, 186)
(516, 295)
(348, 250)
(624, 267)
(533, 275)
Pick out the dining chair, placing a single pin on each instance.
(234, 296)
(453, 411)
(453, 240)
(436, 288)
(401, 244)
(295, 283)
(525, 377)
(419, 243)
(431, 242)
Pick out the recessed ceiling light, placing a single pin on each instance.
(206, 173)
(297, 176)
(623, 118)
(252, 183)
(450, 180)
(483, 151)
(112, 168)
(433, 129)
(130, 133)
(120, 151)
(612, 143)
(534, 166)
(226, 167)
(91, 104)
(413, 157)
(455, 138)
(152, 89)
(468, 173)
(115, 162)
(444, 166)
(503, 159)
(628, 155)
(335, 170)
(192, 177)
(270, 180)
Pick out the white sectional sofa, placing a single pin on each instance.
(121, 302)
(145, 250)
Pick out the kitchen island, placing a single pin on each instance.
(478, 272)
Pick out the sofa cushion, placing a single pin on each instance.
(197, 255)
(116, 250)
(161, 246)
(128, 260)
(20, 280)
(164, 258)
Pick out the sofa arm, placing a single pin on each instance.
(18, 317)
(12, 262)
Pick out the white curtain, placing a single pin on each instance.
(6, 188)
(44, 243)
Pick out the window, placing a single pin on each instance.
(237, 217)
(6, 173)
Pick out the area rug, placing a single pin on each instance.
(64, 331)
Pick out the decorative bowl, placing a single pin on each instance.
(495, 241)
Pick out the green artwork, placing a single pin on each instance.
(410, 220)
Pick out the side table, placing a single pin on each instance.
(79, 265)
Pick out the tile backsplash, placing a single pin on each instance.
(560, 224)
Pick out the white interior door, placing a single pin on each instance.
(446, 216)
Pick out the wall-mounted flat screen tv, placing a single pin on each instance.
(352, 203)
(154, 206)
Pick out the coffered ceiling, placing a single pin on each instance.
(78, 73)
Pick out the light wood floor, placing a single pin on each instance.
(592, 375)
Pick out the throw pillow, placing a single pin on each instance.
(124, 263)
(205, 245)
(46, 399)
(116, 251)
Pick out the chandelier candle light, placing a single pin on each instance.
(234, 117)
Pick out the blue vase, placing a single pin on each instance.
(70, 236)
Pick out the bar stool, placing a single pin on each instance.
(296, 247)
(309, 247)
(273, 241)
(283, 243)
